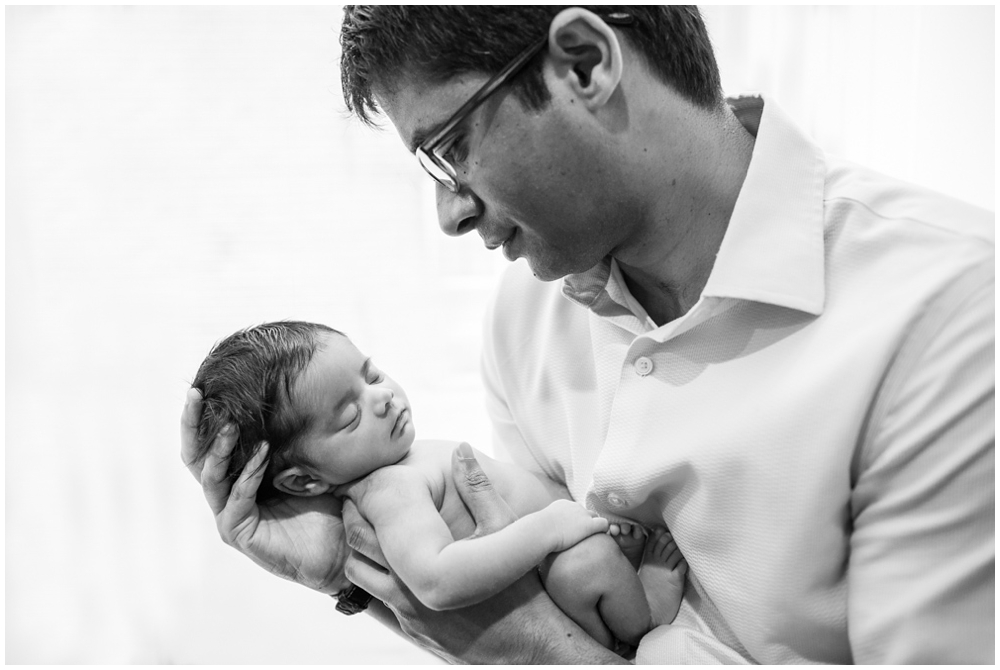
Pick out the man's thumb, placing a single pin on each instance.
(488, 509)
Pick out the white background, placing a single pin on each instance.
(176, 173)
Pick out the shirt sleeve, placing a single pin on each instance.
(921, 570)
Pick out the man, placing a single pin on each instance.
(785, 359)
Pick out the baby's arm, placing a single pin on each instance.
(447, 574)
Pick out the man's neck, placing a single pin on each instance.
(668, 264)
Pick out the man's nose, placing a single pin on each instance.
(457, 212)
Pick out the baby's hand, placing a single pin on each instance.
(571, 522)
(627, 529)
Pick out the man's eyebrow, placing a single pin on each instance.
(420, 135)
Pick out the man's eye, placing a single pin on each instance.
(375, 376)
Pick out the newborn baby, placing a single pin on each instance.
(337, 425)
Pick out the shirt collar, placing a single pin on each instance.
(773, 248)
(772, 251)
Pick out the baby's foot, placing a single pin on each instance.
(662, 575)
(631, 539)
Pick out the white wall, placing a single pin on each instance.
(909, 91)
(176, 173)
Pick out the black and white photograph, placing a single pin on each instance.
(514, 334)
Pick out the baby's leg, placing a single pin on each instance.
(596, 586)
(662, 574)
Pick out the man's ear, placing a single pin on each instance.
(586, 54)
(298, 482)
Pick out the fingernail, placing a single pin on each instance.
(227, 430)
(465, 452)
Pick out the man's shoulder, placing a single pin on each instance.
(894, 201)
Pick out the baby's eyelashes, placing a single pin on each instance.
(351, 418)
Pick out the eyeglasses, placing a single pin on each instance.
(429, 152)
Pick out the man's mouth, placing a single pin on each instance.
(508, 251)
(493, 246)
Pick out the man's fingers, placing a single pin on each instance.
(214, 479)
(361, 536)
(490, 511)
(190, 416)
(241, 504)
(372, 577)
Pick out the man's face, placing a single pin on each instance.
(535, 183)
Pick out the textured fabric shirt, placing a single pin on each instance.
(817, 431)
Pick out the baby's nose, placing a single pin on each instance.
(384, 400)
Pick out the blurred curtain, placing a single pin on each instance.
(906, 90)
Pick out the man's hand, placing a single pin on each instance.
(519, 625)
(300, 539)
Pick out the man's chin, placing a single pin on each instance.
(547, 273)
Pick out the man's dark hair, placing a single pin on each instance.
(382, 44)
(246, 381)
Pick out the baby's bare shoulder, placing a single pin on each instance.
(425, 466)
(417, 482)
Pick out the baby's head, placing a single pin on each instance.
(329, 415)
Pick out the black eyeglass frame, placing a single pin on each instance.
(426, 152)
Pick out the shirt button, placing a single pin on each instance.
(615, 501)
(643, 366)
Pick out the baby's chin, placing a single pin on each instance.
(403, 446)
(409, 434)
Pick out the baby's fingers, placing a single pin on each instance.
(600, 524)
(596, 523)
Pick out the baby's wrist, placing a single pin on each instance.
(543, 521)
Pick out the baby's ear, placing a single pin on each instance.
(297, 481)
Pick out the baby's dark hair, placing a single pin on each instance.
(247, 381)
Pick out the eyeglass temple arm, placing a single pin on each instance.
(615, 19)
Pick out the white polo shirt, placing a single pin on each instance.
(817, 432)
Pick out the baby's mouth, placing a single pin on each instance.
(400, 421)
